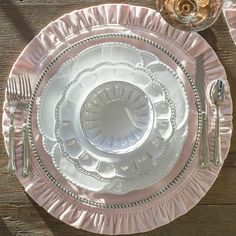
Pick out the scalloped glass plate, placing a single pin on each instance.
(119, 124)
(110, 51)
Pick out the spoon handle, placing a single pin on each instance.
(218, 157)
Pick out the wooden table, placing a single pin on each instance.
(215, 215)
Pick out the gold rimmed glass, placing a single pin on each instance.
(190, 15)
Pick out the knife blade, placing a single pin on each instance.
(204, 155)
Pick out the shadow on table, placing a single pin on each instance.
(219, 38)
(14, 15)
(4, 231)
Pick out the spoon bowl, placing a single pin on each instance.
(217, 92)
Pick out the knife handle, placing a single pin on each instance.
(218, 157)
(204, 147)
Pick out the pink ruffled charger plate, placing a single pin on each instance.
(229, 9)
(178, 191)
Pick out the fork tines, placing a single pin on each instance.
(24, 87)
(12, 94)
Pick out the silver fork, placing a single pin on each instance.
(25, 93)
(12, 101)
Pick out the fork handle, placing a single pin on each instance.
(25, 170)
(12, 155)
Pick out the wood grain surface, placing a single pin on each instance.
(215, 215)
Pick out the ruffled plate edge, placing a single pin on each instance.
(118, 221)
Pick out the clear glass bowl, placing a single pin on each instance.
(117, 117)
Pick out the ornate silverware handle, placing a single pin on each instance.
(218, 157)
(12, 156)
(204, 148)
(25, 170)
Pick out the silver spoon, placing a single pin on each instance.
(217, 96)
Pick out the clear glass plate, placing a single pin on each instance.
(139, 150)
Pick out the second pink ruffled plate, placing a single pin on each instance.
(229, 9)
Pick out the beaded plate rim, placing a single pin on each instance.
(162, 190)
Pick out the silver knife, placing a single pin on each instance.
(200, 84)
